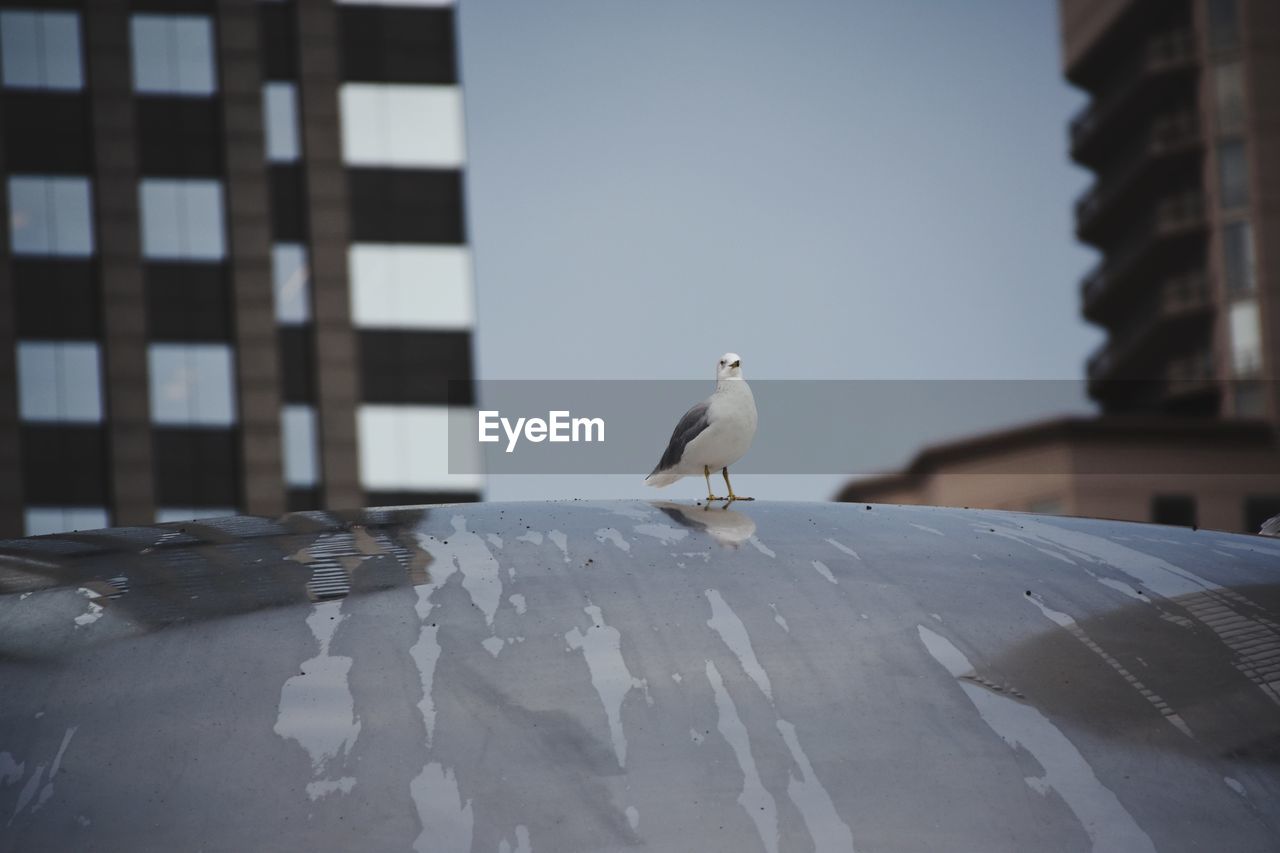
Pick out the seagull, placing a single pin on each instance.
(713, 434)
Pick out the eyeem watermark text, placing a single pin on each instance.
(559, 426)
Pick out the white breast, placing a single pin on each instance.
(733, 426)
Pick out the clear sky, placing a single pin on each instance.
(832, 189)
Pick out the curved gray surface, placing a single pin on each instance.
(578, 676)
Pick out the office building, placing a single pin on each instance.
(234, 273)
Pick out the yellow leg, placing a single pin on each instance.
(732, 496)
(706, 472)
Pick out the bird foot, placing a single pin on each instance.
(739, 498)
(713, 499)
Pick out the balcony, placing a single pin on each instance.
(1176, 218)
(1191, 376)
(1165, 317)
(1163, 148)
(1165, 58)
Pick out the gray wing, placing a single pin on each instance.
(690, 427)
(1271, 527)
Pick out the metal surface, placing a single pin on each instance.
(578, 676)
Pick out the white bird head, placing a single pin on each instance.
(729, 366)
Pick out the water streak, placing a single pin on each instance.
(822, 569)
(811, 797)
(734, 634)
(754, 799)
(1109, 825)
(612, 534)
(845, 548)
(447, 822)
(601, 647)
(1170, 716)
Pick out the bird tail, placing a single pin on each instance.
(659, 479)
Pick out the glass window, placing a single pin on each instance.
(43, 520)
(192, 384)
(1237, 257)
(407, 447)
(40, 50)
(173, 55)
(1246, 339)
(1046, 506)
(291, 279)
(1248, 401)
(1228, 85)
(402, 125)
(59, 381)
(280, 119)
(301, 465)
(1258, 509)
(50, 215)
(182, 219)
(1233, 175)
(165, 515)
(1174, 509)
(1224, 25)
(411, 286)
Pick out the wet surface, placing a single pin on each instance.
(598, 676)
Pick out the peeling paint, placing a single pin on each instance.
(316, 706)
(734, 634)
(611, 534)
(1255, 640)
(325, 787)
(94, 611)
(28, 793)
(755, 800)
(47, 791)
(522, 842)
(1110, 827)
(481, 576)
(10, 769)
(822, 569)
(601, 647)
(828, 831)
(447, 822)
(845, 548)
(561, 541)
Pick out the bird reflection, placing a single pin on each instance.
(729, 528)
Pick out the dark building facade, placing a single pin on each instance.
(234, 274)
(1183, 133)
